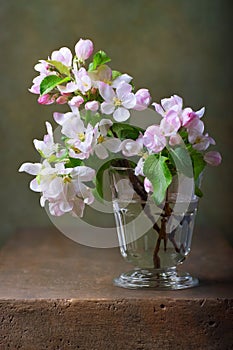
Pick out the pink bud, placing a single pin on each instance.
(213, 158)
(61, 100)
(84, 49)
(46, 99)
(76, 101)
(143, 99)
(92, 106)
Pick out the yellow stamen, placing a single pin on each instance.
(76, 150)
(66, 179)
(100, 139)
(81, 136)
(117, 101)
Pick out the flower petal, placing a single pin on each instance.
(106, 92)
(31, 168)
(121, 114)
(107, 107)
(113, 144)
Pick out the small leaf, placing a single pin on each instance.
(100, 176)
(73, 162)
(182, 161)
(50, 82)
(125, 131)
(99, 58)
(157, 171)
(198, 163)
(115, 74)
(61, 68)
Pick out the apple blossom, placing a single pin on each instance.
(117, 102)
(143, 99)
(174, 103)
(83, 81)
(80, 138)
(104, 144)
(63, 55)
(47, 147)
(84, 49)
(153, 139)
(213, 158)
(170, 124)
(188, 115)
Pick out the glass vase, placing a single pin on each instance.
(155, 239)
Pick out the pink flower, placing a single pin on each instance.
(83, 81)
(46, 99)
(62, 55)
(188, 115)
(84, 49)
(213, 158)
(143, 99)
(117, 102)
(153, 139)
(92, 106)
(42, 67)
(170, 124)
(174, 103)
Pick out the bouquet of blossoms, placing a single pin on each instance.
(101, 101)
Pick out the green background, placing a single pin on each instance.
(181, 47)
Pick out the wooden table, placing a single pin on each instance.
(57, 294)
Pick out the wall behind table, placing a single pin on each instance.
(168, 46)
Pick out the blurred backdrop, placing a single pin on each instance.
(168, 46)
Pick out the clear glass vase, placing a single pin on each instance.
(155, 239)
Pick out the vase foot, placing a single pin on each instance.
(158, 279)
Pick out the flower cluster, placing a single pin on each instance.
(100, 101)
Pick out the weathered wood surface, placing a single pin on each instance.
(56, 294)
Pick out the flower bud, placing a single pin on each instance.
(213, 158)
(143, 99)
(45, 99)
(84, 49)
(92, 106)
(76, 101)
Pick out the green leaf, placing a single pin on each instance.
(99, 58)
(157, 171)
(50, 82)
(60, 67)
(73, 162)
(182, 161)
(115, 74)
(198, 162)
(100, 176)
(125, 131)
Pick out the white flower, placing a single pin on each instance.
(47, 147)
(103, 142)
(117, 102)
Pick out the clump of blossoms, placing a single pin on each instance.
(100, 101)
